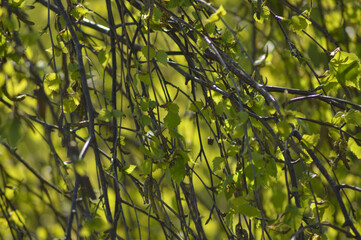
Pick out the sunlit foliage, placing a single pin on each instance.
(180, 119)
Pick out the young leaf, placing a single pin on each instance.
(263, 16)
(117, 113)
(353, 117)
(293, 216)
(15, 87)
(178, 170)
(103, 57)
(199, 105)
(145, 78)
(173, 108)
(129, 169)
(241, 206)
(271, 168)
(12, 131)
(79, 11)
(8, 68)
(152, 52)
(95, 224)
(346, 68)
(174, 3)
(216, 16)
(145, 120)
(162, 57)
(52, 82)
(299, 23)
(354, 147)
(311, 140)
(217, 163)
(105, 115)
(63, 48)
(284, 128)
(69, 105)
(242, 116)
(172, 120)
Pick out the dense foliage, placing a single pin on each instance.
(180, 119)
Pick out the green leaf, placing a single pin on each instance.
(321, 207)
(63, 47)
(227, 186)
(220, 108)
(175, 134)
(353, 117)
(271, 168)
(144, 105)
(227, 37)
(311, 140)
(105, 115)
(217, 15)
(174, 3)
(157, 14)
(263, 16)
(233, 150)
(238, 131)
(346, 68)
(202, 44)
(256, 156)
(122, 140)
(334, 133)
(66, 34)
(14, 87)
(129, 169)
(172, 107)
(229, 219)
(152, 104)
(172, 120)
(291, 113)
(218, 162)
(75, 75)
(52, 82)
(16, 3)
(103, 57)
(145, 120)
(2, 79)
(299, 23)
(145, 78)
(162, 57)
(178, 170)
(279, 197)
(249, 210)
(293, 216)
(8, 68)
(338, 119)
(241, 206)
(152, 52)
(96, 224)
(199, 105)
(242, 116)
(69, 105)
(354, 147)
(117, 113)
(145, 151)
(79, 11)
(12, 131)
(284, 128)
(210, 29)
(3, 45)
(73, 67)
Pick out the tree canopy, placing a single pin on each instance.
(180, 119)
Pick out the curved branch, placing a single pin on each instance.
(332, 183)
